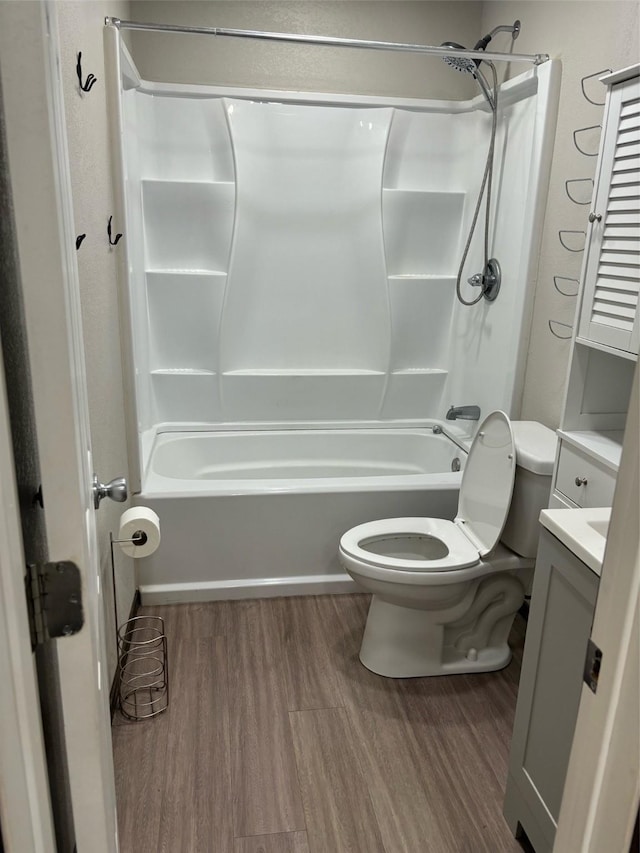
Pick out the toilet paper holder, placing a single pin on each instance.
(143, 666)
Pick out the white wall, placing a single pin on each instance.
(81, 29)
(227, 61)
(587, 37)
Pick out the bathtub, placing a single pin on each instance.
(248, 514)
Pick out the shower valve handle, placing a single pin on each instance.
(476, 280)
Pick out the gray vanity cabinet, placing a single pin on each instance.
(562, 606)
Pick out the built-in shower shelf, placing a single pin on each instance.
(420, 371)
(189, 182)
(182, 371)
(195, 273)
(445, 279)
(302, 372)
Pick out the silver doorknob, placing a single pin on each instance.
(595, 217)
(116, 490)
(581, 481)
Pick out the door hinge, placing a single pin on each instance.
(54, 600)
(592, 664)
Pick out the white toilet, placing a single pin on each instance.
(445, 592)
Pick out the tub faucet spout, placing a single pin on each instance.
(465, 413)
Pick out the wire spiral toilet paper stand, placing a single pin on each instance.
(143, 663)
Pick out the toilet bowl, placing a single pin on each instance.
(445, 592)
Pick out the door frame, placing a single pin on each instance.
(39, 176)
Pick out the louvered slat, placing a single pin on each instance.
(616, 297)
(626, 258)
(630, 107)
(628, 218)
(623, 204)
(631, 178)
(627, 165)
(616, 245)
(624, 191)
(625, 276)
(632, 122)
(628, 148)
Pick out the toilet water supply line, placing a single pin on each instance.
(487, 180)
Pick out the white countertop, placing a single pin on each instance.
(582, 531)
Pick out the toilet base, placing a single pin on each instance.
(403, 642)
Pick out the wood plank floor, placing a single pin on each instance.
(277, 740)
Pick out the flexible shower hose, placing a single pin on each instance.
(486, 182)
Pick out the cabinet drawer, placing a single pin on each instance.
(574, 465)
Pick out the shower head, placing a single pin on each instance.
(470, 66)
(460, 63)
(463, 63)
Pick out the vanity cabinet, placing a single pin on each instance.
(605, 344)
(562, 607)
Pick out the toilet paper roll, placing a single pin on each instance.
(139, 519)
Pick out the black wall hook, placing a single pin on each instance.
(91, 78)
(79, 240)
(118, 236)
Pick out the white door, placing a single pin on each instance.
(42, 212)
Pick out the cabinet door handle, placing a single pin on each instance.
(595, 217)
(581, 481)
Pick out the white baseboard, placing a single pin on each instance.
(179, 593)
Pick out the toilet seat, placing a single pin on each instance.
(461, 552)
(483, 506)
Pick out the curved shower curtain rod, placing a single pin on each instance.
(431, 50)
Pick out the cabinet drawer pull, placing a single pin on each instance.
(595, 217)
(581, 481)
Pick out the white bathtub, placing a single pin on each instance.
(259, 513)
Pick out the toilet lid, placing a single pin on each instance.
(487, 483)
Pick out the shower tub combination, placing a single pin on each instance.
(290, 328)
(259, 513)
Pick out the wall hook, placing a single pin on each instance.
(91, 78)
(118, 236)
(79, 240)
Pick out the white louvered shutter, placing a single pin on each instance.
(610, 314)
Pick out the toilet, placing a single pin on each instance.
(445, 593)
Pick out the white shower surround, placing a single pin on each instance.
(323, 298)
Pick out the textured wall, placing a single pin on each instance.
(587, 37)
(226, 61)
(81, 28)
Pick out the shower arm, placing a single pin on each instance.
(430, 50)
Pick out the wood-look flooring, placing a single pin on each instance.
(278, 740)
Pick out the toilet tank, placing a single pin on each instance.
(535, 456)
